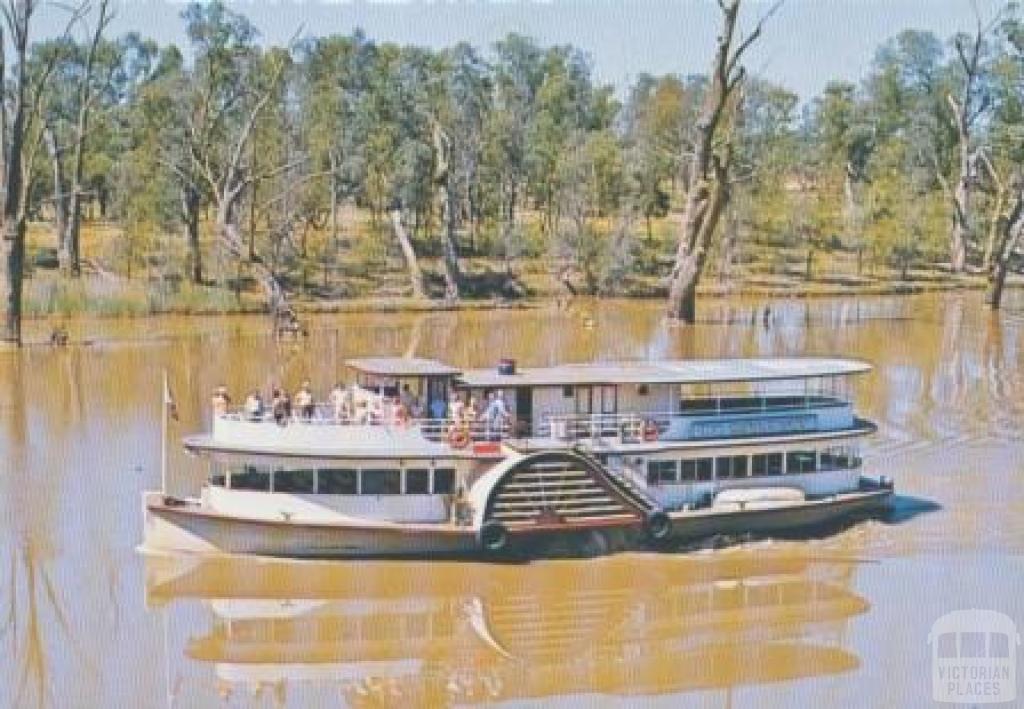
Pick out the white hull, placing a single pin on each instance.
(186, 528)
(697, 524)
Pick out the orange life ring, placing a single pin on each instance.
(458, 437)
(650, 431)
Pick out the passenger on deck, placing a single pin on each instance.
(399, 413)
(456, 409)
(341, 406)
(416, 411)
(437, 408)
(472, 412)
(377, 409)
(362, 415)
(281, 407)
(496, 415)
(221, 401)
(254, 406)
(304, 402)
(407, 398)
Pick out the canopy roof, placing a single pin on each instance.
(690, 371)
(401, 367)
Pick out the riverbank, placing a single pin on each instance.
(50, 298)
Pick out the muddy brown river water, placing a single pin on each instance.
(839, 619)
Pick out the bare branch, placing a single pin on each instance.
(753, 36)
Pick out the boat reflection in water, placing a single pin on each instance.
(419, 633)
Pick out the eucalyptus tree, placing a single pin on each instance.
(1003, 157)
(561, 109)
(708, 187)
(23, 87)
(459, 104)
(653, 123)
(334, 77)
(517, 73)
(969, 99)
(92, 70)
(907, 99)
(157, 124)
(844, 138)
(232, 83)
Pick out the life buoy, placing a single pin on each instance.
(650, 431)
(493, 537)
(458, 437)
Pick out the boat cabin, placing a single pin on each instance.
(673, 400)
(427, 380)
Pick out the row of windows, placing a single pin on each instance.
(743, 466)
(343, 481)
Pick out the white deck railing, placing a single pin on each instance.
(627, 426)
(433, 429)
(638, 426)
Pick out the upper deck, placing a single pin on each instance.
(668, 372)
(625, 405)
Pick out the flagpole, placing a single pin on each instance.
(163, 435)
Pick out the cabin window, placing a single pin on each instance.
(381, 481)
(687, 470)
(832, 459)
(643, 390)
(662, 471)
(766, 464)
(444, 481)
(734, 466)
(705, 469)
(417, 481)
(218, 478)
(699, 470)
(251, 478)
(568, 392)
(801, 461)
(839, 458)
(652, 473)
(298, 481)
(338, 481)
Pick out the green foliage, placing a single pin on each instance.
(540, 158)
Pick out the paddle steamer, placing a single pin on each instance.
(611, 454)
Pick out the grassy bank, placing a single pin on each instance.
(358, 278)
(94, 296)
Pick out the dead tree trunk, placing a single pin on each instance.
(411, 262)
(1009, 228)
(708, 189)
(60, 205)
(190, 217)
(12, 232)
(444, 178)
(961, 207)
(334, 187)
(232, 238)
(86, 96)
(966, 108)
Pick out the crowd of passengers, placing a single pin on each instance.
(355, 405)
